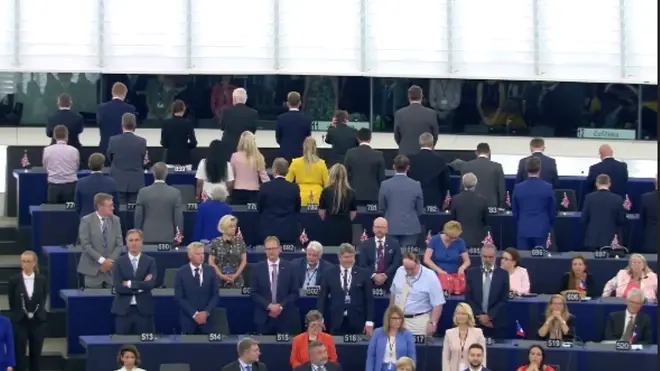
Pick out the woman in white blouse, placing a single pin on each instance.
(637, 275)
(213, 171)
(129, 358)
(458, 340)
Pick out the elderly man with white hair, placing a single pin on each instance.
(471, 210)
(311, 267)
(237, 119)
(632, 324)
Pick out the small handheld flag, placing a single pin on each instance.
(627, 204)
(303, 237)
(488, 240)
(565, 203)
(146, 160)
(204, 197)
(447, 202)
(428, 237)
(508, 199)
(519, 330)
(363, 236)
(634, 335)
(25, 160)
(238, 233)
(583, 286)
(548, 242)
(178, 237)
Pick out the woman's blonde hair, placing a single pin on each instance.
(338, 182)
(641, 257)
(405, 364)
(247, 144)
(225, 222)
(565, 314)
(34, 257)
(309, 152)
(452, 229)
(388, 314)
(468, 310)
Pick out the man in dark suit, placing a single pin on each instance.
(487, 293)
(318, 359)
(27, 293)
(95, 182)
(616, 170)
(351, 296)
(237, 119)
(274, 289)
(291, 128)
(431, 171)
(177, 137)
(196, 291)
(64, 116)
(248, 357)
(548, 164)
(471, 210)
(278, 205)
(311, 268)
(126, 152)
(490, 174)
(134, 276)
(476, 358)
(380, 255)
(603, 215)
(649, 217)
(412, 121)
(631, 324)
(109, 115)
(341, 137)
(533, 207)
(366, 169)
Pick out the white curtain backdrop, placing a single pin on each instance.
(641, 34)
(7, 35)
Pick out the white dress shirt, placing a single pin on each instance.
(201, 273)
(390, 351)
(625, 323)
(137, 263)
(29, 284)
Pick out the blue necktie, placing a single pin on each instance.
(134, 262)
(486, 293)
(104, 230)
(248, 368)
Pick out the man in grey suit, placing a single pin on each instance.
(412, 121)
(366, 169)
(158, 209)
(101, 243)
(401, 201)
(126, 152)
(490, 174)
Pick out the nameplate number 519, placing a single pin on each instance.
(554, 343)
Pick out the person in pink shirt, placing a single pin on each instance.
(518, 277)
(637, 275)
(249, 168)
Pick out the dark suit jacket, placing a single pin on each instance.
(361, 308)
(615, 326)
(409, 123)
(342, 138)
(108, 118)
(618, 172)
(366, 170)
(177, 137)
(7, 351)
(279, 208)
(89, 186)
(122, 271)
(498, 298)
(330, 366)
(287, 291)
(649, 217)
(471, 210)
(592, 290)
(126, 153)
(548, 169)
(603, 216)
(490, 179)
(191, 297)
(430, 170)
(236, 366)
(534, 208)
(300, 266)
(233, 122)
(393, 258)
(291, 129)
(16, 292)
(73, 122)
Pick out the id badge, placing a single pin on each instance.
(390, 366)
(347, 299)
(444, 102)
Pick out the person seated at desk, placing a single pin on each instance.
(312, 268)
(300, 348)
(637, 275)
(196, 292)
(445, 251)
(405, 364)
(101, 242)
(381, 255)
(535, 360)
(249, 168)
(390, 342)
(158, 209)
(129, 358)
(228, 256)
(177, 136)
(337, 207)
(274, 290)
(248, 357)
(279, 206)
(318, 359)
(127, 152)
(559, 323)
(578, 280)
(213, 171)
(631, 324)
(309, 172)
(458, 340)
(209, 213)
(518, 276)
(95, 182)
(603, 215)
(61, 162)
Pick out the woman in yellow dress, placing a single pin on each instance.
(309, 172)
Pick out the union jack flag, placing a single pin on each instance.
(146, 160)
(447, 202)
(303, 237)
(615, 241)
(239, 234)
(520, 332)
(565, 203)
(311, 197)
(428, 237)
(178, 237)
(205, 197)
(508, 199)
(363, 236)
(548, 242)
(25, 161)
(488, 240)
(627, 204)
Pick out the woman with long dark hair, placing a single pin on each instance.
(337, 207)
(213, 171)
(536, 360)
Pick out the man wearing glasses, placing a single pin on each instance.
(631, 324)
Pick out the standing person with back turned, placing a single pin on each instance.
(412, 121)
(617, 171)
(96, 182)
(126, 152)
(237, 119)
(366, 169)
(279, 206)
(61, 162)
(291, 128)
(109, 115)
(548, 164)
(471, 210)
(490, 174)
(177, 137)
(649, 217)
(248, 357)
(71, 120)
(341, 137)
(430, 170)
(603, 215)
(27, 294)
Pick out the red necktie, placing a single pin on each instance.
(380, 258)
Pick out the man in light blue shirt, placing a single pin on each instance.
(417, 291)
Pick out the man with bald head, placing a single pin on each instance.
(649, 217)
(380, 255)
(616, 170)
(471, 210)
